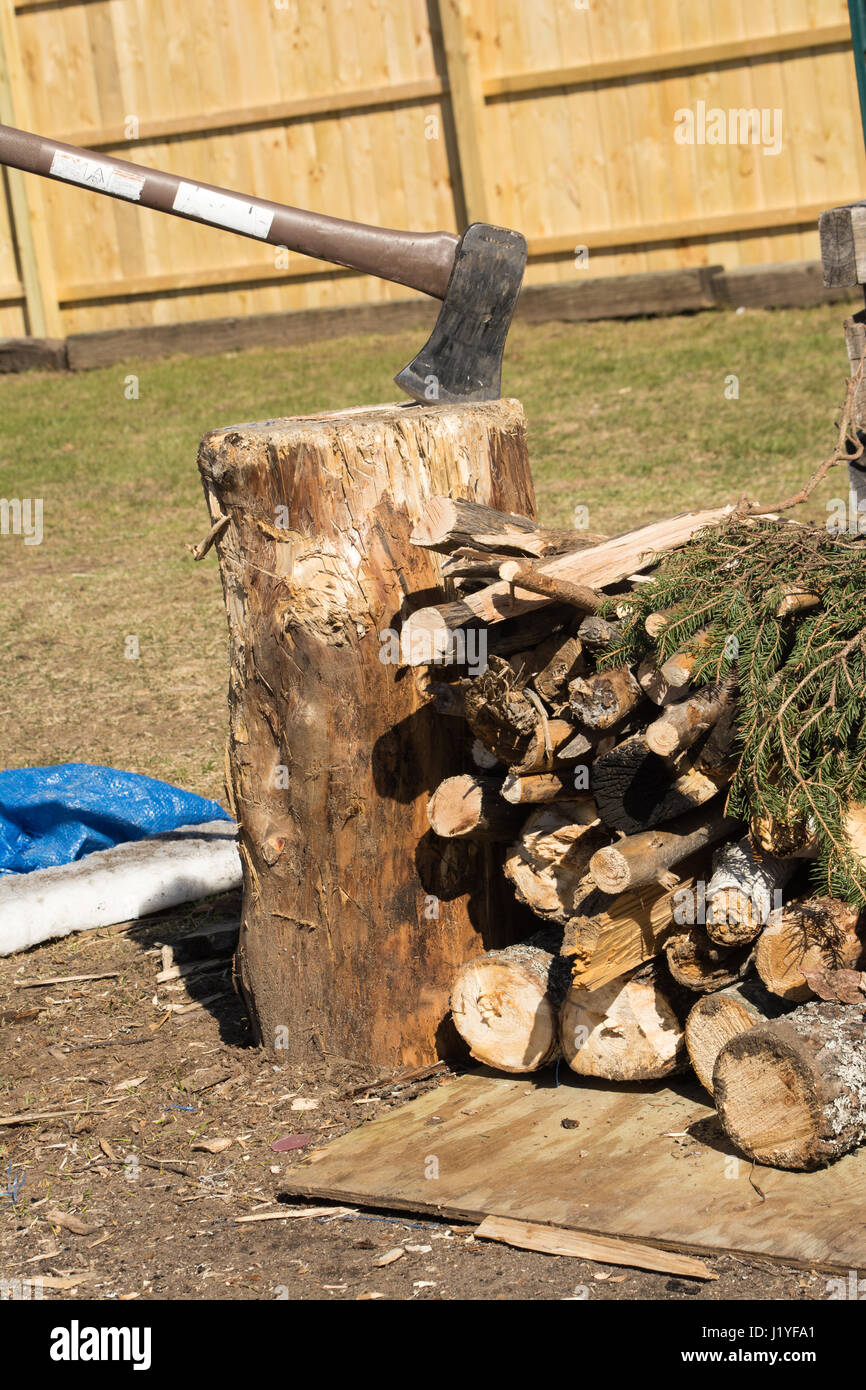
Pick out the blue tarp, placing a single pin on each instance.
(54, 815)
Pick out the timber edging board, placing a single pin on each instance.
(791, 284)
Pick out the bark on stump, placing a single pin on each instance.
(332, 755)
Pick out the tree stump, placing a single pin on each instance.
(356, 916)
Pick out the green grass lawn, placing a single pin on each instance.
(628, 419)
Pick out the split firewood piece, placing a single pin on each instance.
(806, 936)
(855, 829)
(448, 524)
(467, 805)
(505, 1004)
(682, 724)
(636, 789)
(792, 1093)
(716, 1018)
(647, 856)
(607, 936)
(746, 886)
(535, 581)
(597, 634)
(677, 670)
(537, 788)
(563, 665)
(605, 699)
(630, 1029)
(698, 964)
(427, 635)
(547, 866)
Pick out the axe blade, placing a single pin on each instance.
(462, 361)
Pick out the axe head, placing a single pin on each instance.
(462, 360)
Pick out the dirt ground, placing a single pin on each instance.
(114, 1197)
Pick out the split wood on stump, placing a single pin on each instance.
(332, 756)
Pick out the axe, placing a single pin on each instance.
(477, 275)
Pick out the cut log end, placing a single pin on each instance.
(793, 1093)
(505, 1005)
(627, 1030)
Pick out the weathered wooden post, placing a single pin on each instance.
(355, 915)
(843, 258)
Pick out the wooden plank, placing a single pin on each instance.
(785, 285)
(467, 105)
(709, 225)
(37, 270)
(553, 1240)
(708, 55)
(32, 354)
(272, 113)
(202, 338)
(622, 296)
(486, 1145)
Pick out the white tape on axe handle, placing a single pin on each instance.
(92, 173)
(223, 211)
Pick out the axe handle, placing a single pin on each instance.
(421, 260)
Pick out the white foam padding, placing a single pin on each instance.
(119, 884)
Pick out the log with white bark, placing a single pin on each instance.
(716, 1018)
(806, 936)
(792, 1093)
(505, 1004)
(746, 886)
(452, 523)
(427, 635)
(699, 964)
(683, 723)
(630, 1029)
(471, 805)
(647, 856)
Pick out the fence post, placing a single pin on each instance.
(26, 206)
(467, 105)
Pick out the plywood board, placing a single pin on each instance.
(650, 1164)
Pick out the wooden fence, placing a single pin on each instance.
(568, 119)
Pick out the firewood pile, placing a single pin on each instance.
(632, 709)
